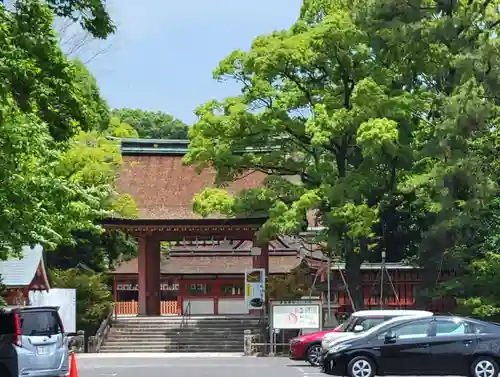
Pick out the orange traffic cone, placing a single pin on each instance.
(73, 370)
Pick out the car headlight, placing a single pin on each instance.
(339, 348)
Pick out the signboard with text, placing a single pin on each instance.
(303, 314)
(255, 282)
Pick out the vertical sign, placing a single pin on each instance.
(255, 280)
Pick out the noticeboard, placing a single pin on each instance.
(303, 314)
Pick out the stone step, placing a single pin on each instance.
(183, 336)
(180, 336)
(175, 334)
(186, 331)
(188, 325)
(125, 330)
(186, 319)
(191, 318)
(172, 347)
(171, 350)
(122, 342)
(191, 324)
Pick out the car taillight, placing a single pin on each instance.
(17, 327)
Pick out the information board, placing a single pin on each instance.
(296, 315)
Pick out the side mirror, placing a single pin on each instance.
(389, 338)
(358, 328)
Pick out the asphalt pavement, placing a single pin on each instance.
(134, 365)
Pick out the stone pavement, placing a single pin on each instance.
(189, 365)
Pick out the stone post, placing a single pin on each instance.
(247, 342)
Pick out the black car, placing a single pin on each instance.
(419, 346)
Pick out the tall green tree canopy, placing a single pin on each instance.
(43, 107)
(153, 125)
(374, 105)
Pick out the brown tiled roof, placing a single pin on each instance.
(163, 187)
(213, 264)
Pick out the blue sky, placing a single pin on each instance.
(164, 52)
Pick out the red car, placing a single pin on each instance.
(304, 347)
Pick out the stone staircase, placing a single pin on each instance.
(173, 334)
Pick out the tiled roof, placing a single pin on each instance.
(21, 272)
(164, 188)
(213, 264)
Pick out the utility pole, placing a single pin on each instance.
(328, 300)
(382, 271)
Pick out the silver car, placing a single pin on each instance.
(33, 343)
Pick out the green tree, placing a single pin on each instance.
(291, 286)
(376, 107)
(476, 260)
(153, 125)
(94, 160)
(117, 128)
(86, 86)
(43, 104)
(3, 291)
(94, 300)
(92, 15)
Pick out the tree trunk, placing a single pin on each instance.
(430, 263)
(353, 275)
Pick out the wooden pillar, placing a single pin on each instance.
(149, 276)
(262, 260)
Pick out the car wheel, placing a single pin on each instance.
(484, 366)
(314, 355)
(361, 366)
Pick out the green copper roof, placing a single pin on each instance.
(154, 147)
(168, 147)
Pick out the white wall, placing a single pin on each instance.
(199, 305)
(64, 298)
(232, 306)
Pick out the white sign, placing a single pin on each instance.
(135, 287)
(303, 316)
(255, 281)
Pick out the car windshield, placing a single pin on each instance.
(365, 322)
(39, 323)
(348, 323)
(382, 325)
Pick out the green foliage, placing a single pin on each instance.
(38, 78)
(91, 14)
(94, 300)
(3, 291)
(94, 160)
(152, 125)
(122, 130)
(364, 112)
(477, 261)
(96, 108)
(45, 101)
(98, 251)
(291, 286)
